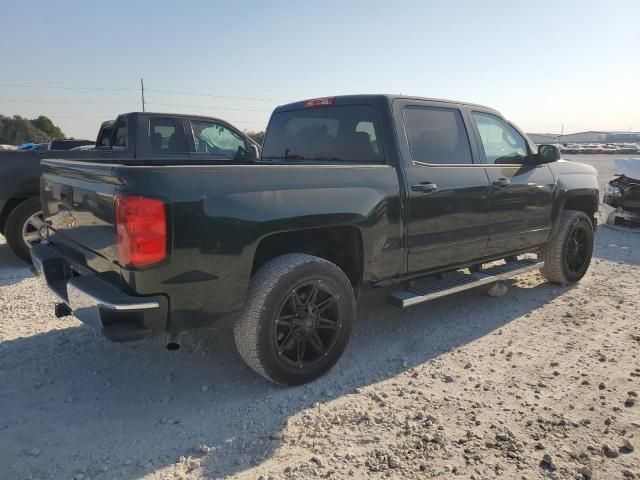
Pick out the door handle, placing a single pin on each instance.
(502, 182)
(424, 187)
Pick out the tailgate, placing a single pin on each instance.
(77, 199)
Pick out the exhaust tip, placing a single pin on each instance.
(173, 342)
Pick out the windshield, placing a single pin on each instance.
(329, 134)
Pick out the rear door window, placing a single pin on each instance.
(437, 135)
(326, 134)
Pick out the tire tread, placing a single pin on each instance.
(552, 252)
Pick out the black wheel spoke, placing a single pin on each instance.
(573, 263)
(307, 325)
(327, 323)
(301, 347)
(313, 295)
(287, 342)
(316, 343)
(285, 320)
(298, 302)
(326, 303)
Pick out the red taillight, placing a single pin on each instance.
(141, 231)
(318, 102)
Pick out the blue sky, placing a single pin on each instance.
(541, 63)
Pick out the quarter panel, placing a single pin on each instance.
(221, 213)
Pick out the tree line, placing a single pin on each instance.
(258, 137)
(17, 130)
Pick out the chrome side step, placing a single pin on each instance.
(430, 290)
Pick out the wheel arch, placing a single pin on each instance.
(341, 245)
(583, 200)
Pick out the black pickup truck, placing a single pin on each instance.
(349, 192)
(21, 218)
(20, 212)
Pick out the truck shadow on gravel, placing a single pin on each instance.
(71, 402)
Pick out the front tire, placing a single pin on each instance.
(22, 228)
(567, 255)
(298, 319)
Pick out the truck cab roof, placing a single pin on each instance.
(371, 99)
(172, 115)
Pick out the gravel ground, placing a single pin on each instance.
(539, 382)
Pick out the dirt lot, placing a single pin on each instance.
(541, 382)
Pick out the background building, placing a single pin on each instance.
(586, 137)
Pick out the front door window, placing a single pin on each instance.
(502, 143)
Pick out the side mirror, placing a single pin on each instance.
(254, 152)
(548, 153)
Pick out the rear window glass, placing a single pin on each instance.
(333, 134)
(162, 135)
(436, 135)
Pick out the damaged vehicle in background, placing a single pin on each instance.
(621, 204)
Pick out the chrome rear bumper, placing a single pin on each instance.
(96, 302)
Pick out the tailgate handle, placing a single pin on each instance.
(424, 187)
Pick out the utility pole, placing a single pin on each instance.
(142, 92)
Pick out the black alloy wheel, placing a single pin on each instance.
(567, 254)
(307, 325)
(577, 250)
(297, 320)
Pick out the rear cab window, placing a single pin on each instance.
(163, 136)
(331, 134)
(436, 135)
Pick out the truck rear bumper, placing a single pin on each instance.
(119, 316)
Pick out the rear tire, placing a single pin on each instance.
(567, 255)
(298, 319)
(22, 227)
